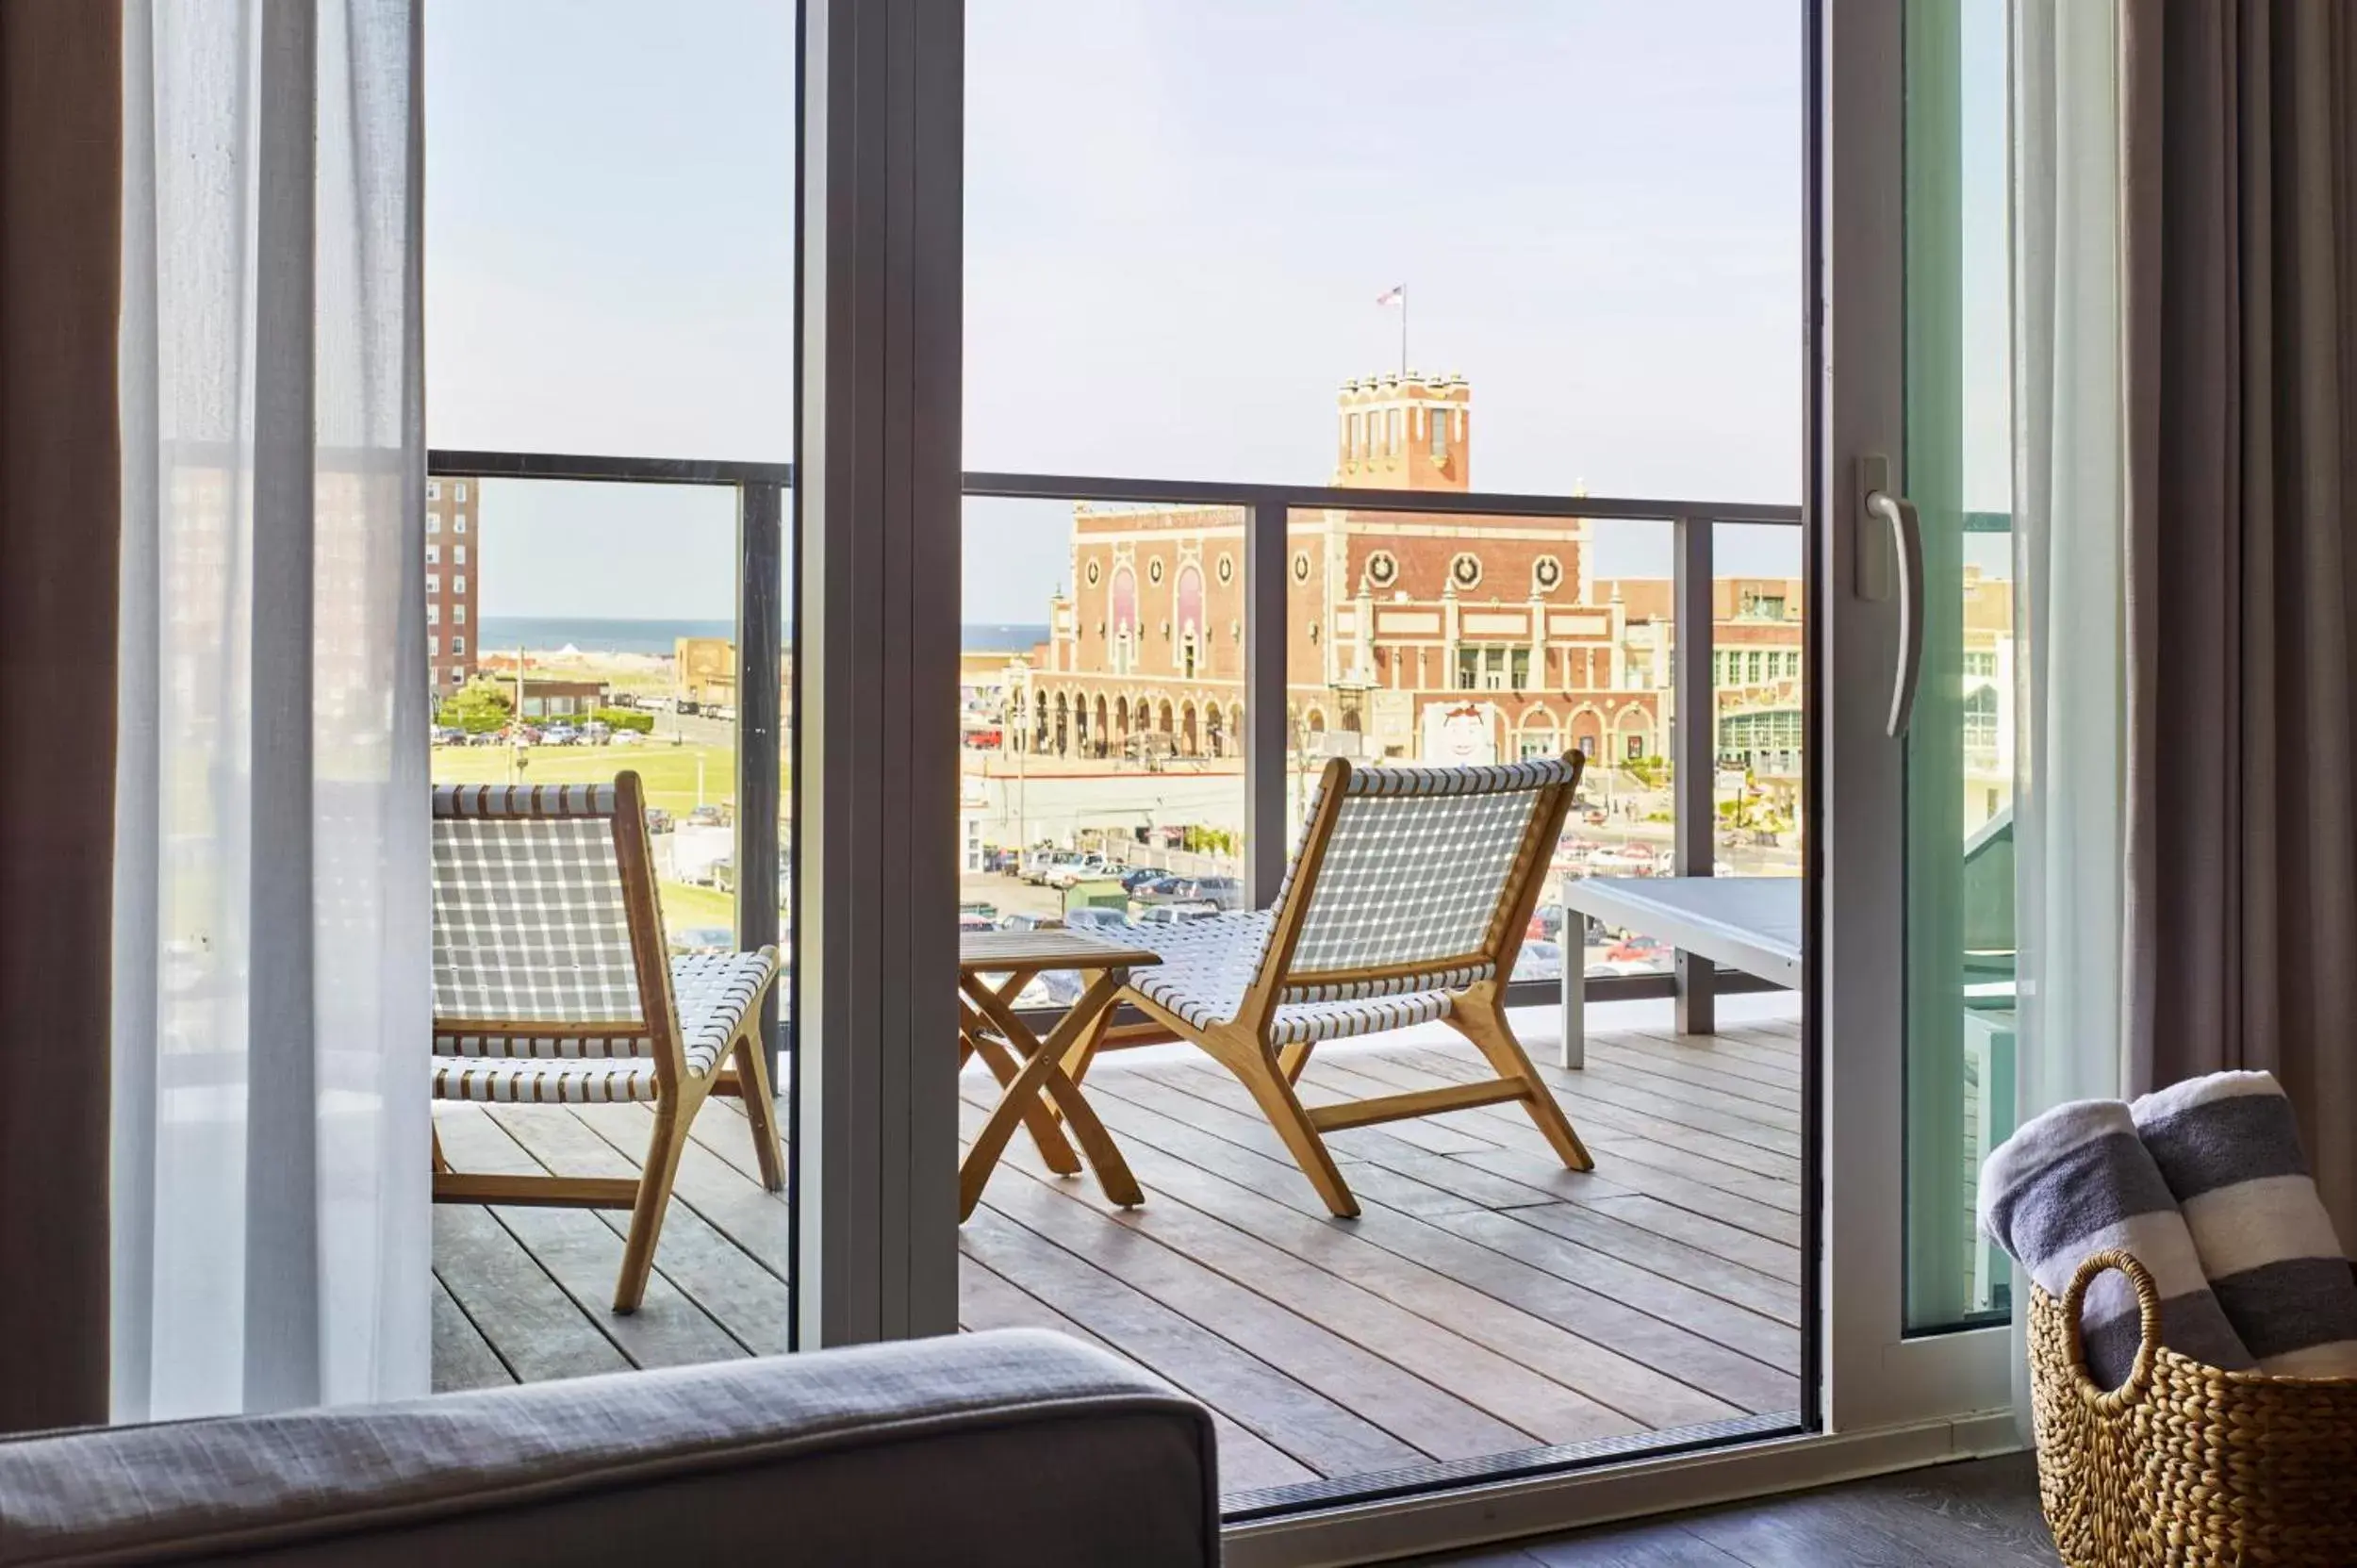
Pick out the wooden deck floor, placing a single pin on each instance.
(1487, 1301)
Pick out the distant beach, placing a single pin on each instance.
(547, 634)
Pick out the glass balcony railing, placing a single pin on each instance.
(1111, 760)
(588, 614)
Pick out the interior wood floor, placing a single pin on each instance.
(1486, 1302)
(1979, 1514)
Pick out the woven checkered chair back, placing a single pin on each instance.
(1416, 875)
(532, 923)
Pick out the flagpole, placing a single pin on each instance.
(1403, 332)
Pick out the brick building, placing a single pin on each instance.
(451, 540)
(703, 672)
(1409, 635)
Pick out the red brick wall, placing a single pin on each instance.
(454, 555)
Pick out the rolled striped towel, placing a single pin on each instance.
(2228, 1149)
(2077, 1180)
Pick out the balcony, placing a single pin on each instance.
(1490, 1309)
(1487, 1304)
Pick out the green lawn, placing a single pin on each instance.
(685, 904)
(667, 772)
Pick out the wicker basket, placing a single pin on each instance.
(2185, 1463)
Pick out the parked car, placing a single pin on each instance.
(1080, 868)
(1177, 912)
(1025, 920)
(1546, 923)
(1222, 893)
(560, 734)
(703, 940)
(1538, 960)
(449, 735)
(1094, 919)
(626, 737)
(1056, 988)
(1137, 876)
(707, 817)
(1038, 872)
(969, 920)
(658, 821)
(1633, 952)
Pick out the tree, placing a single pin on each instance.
(480, 706)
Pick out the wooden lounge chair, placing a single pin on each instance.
(552, 986)
(1405, 902)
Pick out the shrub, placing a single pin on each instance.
(479, 706)
(625, 718)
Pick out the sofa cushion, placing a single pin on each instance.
(1015, 1446)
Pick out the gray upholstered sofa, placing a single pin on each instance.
(1016, 1447)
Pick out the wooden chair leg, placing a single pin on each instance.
(1291, 1059)
(440, 1163)
(1261, 1073)
(654, 1197)
(1478, 1018)
(752, 1076)
(1082, 1055)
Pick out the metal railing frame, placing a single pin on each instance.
(1267, 509)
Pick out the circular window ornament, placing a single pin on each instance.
(1153, 569)
(1227, 568)
(1095, 571)
(1546, 572)
(1301, 566)
(1466, 570)
(1382, 568)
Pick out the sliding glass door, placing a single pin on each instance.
(1917, 969)
(1382, 387)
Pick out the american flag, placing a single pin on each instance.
(1396, 294)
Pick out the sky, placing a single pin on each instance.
(1179, 218)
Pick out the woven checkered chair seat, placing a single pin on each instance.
(1208, 965)
(545, 1081)
(714, 992)
(1405, 902)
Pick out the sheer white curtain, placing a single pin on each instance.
(272, 1215)
(2069, 789)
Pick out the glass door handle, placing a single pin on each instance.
(1906, 545)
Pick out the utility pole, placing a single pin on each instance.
(516, 725)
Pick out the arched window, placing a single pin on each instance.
(1980, 727)
(1536, 735)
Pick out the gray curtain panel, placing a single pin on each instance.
(2240, 158)
(61, 212)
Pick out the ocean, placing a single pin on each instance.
(549, 633)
